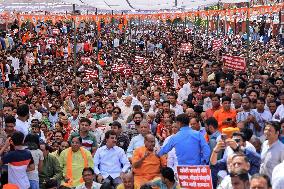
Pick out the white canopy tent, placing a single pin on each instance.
(106, 5)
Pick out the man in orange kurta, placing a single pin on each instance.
(145, 162)
(226, 116)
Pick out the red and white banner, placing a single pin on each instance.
(51, 41)
(187, 30)
(55, 31)
(121, 67)
(217, 44)
(139, 60)
(91, 74)
(234, 62)
(114, 68)
(186, 47)
(86, 60)
(160, 80)
(194, 177)
(127, 72)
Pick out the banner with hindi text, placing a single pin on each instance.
(194, 177)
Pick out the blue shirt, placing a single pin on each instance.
(191, 147)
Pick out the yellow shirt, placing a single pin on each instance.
(77, 164)
(121, 186)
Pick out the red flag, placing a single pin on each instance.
(55, 31)
(86, 60)
(186, 47)
(51, 41)
(217, 44)
(234, 62)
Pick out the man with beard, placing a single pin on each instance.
(133, 129)
(247, 116)
(53, 116)
(7, 109)
(211, 127)
(261, 116)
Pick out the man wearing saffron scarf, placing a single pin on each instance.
(73, 160)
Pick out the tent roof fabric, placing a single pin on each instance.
(113, 4)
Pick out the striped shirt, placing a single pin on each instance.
(18, 162)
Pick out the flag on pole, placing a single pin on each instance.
(217, 44)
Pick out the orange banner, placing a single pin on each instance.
(159, 16)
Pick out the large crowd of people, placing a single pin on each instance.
(133, 106)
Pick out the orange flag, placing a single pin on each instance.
(99, 26)
(101, 62)
(120, 27)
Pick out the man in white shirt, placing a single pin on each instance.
(272, 152)
(184, 90)
(261, 116)
(126, 108)
(110, 161)
(34, 114)
(279, 114)
(278, 176)
(22, 124)
(88, 176)
(173, 104)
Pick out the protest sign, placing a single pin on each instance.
(186, 47)
(217, 44)
(192, 177)
(86, 60)
(139, 59)
(55, 31)
(91, 74)
(234, 62)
